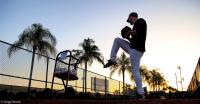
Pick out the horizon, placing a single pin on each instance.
(172, 28)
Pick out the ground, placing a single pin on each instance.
(130, 101)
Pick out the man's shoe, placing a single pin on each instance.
(109, 63)
(137, 96)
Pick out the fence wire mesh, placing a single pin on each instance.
(15, 71)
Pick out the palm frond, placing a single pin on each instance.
(38, 37)
(46, 48)
(48, 36)
(112, 72)
(89, 52)
(100, 59)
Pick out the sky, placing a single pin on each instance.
(173, 28)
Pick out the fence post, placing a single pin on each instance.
(119, 87)
(95, 89)
(47, 72)
(105, 88)
(83, 79)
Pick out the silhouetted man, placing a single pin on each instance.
(135, 47)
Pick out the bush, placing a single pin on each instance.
(4, 95)
(98, 96)
(82, 95)
(46, 93)
(70, 92)
(180, 95)
(21, 95)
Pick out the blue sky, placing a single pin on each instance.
(172, 37)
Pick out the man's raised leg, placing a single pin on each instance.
(118, 43)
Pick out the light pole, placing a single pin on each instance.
(180, 77)
(176, 82)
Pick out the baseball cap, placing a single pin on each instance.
(134, 14)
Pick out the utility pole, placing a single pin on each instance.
(176, 82)
(180, 77)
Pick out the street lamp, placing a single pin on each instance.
(176, 82)
(180, 77)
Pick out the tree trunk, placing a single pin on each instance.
(153, 85)
(85, 76)
(31, 72)
(83, 80)
(123, 81)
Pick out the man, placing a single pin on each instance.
(135, 47)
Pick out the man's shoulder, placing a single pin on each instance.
(141, 20)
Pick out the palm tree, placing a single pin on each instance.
(157, 80)
(165, 86)
(123, 63)
(145, 73)
(153, 79)
(39, 40)
(86, 56)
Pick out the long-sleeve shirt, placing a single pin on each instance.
(138, 40)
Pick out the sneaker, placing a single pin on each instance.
(109, 63)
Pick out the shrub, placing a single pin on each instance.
(46, 93)
(70, 92)
(21, 95)
(82, 95)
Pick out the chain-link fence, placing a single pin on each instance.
(15, 72)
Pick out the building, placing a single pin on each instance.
(194, 86)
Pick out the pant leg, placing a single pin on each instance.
(135, 68)
(135, 57)
(119, 43)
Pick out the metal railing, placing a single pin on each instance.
(14, 71)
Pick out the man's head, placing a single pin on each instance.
(132, 18)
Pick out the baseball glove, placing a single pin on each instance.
(124, 31)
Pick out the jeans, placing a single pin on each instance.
(135, 57)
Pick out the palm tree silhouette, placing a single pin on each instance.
(123, 63)
(86, 56)
(145, 73)
(39, 40)
(157, 80)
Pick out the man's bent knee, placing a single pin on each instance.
(117, 39)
